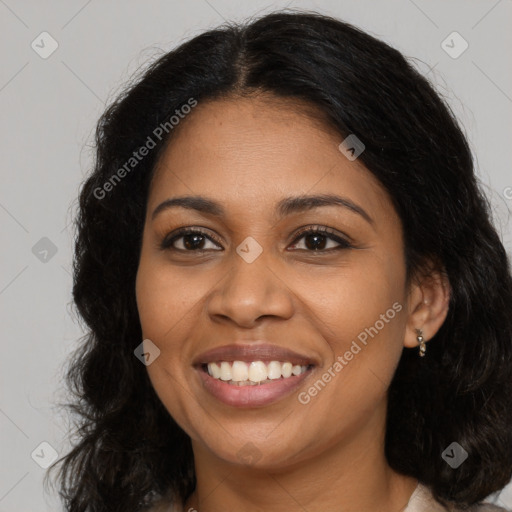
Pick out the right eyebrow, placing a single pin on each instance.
(286, 206)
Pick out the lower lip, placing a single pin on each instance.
(251, 396)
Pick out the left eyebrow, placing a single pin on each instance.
(286, 206)
(303, 203)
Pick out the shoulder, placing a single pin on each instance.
(422, 500)
(487, 507)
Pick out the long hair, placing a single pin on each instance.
(130, 450)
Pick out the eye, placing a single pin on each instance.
(192, 240)
(317, 238)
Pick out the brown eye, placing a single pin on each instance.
(191, 240)
(317, 239)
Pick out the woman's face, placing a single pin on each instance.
(337, 299)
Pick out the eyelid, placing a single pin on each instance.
(169, 239)
(344, 241)
(335, 235)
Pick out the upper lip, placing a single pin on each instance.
(252, 352)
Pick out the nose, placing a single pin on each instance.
(249, 292)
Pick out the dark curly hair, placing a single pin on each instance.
(130, 451)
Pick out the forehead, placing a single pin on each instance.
(256, 150)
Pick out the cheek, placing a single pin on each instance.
(350, 300)
(361, 316)
(165, 305)
(165, 298)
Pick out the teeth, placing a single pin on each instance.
(239, 371)
(274, 370)
(225, 371)
(286, 370)
(297, 370)
(256, 372)
(215, 370)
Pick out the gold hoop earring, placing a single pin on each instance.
(421, 341)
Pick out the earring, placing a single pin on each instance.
(421, 341)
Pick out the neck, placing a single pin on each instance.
(352, 474)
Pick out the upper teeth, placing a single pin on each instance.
(255, 371)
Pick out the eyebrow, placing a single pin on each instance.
(286, 206)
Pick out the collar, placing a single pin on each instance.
(421, 500)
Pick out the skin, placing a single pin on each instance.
(247, 154)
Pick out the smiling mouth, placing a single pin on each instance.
(253, 373)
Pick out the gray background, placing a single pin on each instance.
(49, 108)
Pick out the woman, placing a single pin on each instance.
(295, 297)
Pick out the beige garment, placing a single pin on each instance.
(421, 500)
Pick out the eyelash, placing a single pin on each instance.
(167, 242)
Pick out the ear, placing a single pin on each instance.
(429, 298)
